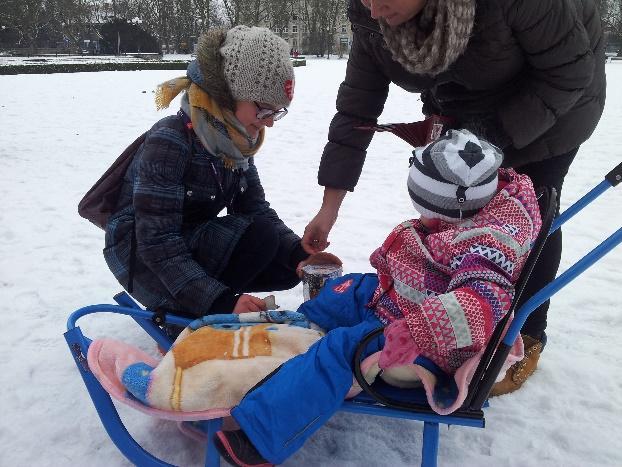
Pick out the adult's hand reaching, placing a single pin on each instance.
(315, 237)
(247, 303)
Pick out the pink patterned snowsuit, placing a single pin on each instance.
(443, 291)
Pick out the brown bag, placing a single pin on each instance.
(101, 200)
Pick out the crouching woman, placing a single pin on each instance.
(165, 243)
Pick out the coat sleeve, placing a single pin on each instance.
(254, 202)
(158, 205)
(560, 67)
(360, 100)
(461, 318)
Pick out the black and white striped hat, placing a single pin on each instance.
(453, 177)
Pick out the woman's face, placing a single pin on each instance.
(246, 113)
(394, 12)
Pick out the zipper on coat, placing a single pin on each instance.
(132, 265)
(234, 188)
(369, 29)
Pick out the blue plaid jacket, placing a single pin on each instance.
(172, 195)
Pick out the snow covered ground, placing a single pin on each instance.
(44, 59)
(59, 132)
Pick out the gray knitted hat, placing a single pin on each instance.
(453, 177)
(257, 66)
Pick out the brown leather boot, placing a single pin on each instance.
(518, 373)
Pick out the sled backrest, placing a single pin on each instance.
(494, 356)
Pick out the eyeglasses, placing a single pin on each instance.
(264, 113)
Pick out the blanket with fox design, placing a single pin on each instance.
(218, 358)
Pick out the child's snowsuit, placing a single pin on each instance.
(443, 293)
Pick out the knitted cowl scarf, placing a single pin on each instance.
(433, 40)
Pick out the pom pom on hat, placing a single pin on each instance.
(257, 66)
(453, 177)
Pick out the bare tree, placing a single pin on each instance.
(279, 13)
(176, 24)
(26, 17)
(275, 13)
(611, 17)
(233, 9)
(68, 20)
(335, 12)
(202, 14)
(321, 18)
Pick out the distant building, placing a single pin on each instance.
(298, 37)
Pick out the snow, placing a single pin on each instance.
(86, 58)
(59, 132)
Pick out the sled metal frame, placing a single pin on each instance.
(370, 401)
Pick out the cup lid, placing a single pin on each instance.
(321, 268)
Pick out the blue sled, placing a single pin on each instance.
(379, 398)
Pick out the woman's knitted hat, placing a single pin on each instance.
(257, 66)
(250, 64)
(453, 177)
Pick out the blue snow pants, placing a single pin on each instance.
(285, 410)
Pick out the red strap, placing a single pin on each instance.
(416, 133)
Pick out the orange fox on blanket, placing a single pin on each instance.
(215, 361)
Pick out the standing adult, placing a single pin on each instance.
(528, 75)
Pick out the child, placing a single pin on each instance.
(166, 243)
(444, 281)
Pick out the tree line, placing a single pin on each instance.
(611, 17)
(173, 24)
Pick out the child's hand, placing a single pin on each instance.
(318, 258)
(399, 347)
(248, 303)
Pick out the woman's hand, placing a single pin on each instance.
(318, 258)
(248, 303)
(315, 238)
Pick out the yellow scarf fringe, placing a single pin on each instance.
(169, 90)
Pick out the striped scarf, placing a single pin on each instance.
(218, 129)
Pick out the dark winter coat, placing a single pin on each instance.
(168, 211)
(532, 79)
